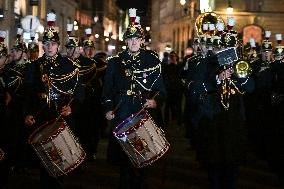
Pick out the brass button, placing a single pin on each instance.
(129, 92)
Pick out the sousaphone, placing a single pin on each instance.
(207, 18)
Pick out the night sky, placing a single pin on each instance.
(141, 5)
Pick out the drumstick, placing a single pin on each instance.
(150, 99)
(116, 107)
(66, 105)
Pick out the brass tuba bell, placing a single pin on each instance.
(207, 18)
(242, 69)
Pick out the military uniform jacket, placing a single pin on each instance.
(277, 68)
(129, 80)
(13, 76)
(220, 133)
(50, 83)
(87, 69)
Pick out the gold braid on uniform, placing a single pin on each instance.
(137, 74)
(52, 80)
(87, 69)
(228, 88)
(148, 71)
(17, 79)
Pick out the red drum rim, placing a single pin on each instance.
(51, 137)
(133, 128)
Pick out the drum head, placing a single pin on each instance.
(131, 121)
(46, 131)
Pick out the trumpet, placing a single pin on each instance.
(228, 59)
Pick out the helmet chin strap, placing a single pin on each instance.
(73, 52)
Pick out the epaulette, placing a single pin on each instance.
(193, 58)
(75, 63)
(253, 60)
(154, 53)
(111, 57)
(101, 68)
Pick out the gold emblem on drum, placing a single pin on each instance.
(140, 145)
(55, 154)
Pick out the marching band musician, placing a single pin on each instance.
(193, 67)
(33, 48)
(85, 119)
(275, 134)
(258, 103)
(132, 78)
(96, 83)
(52, 82)
(4, 137)
(13, 76)
(219, 111)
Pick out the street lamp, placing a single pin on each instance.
(1, 14)
(75, 24)
(230, 8)
(168, 48)
(182, 2)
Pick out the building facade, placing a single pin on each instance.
(8, 22)
(103, 16)
(173, 26)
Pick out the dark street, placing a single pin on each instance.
(175, 170)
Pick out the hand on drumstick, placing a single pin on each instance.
(150, 103)
(29, 120)
(110, 115)
(66, 110)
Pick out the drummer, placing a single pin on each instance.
(132, 77)
(52, 81)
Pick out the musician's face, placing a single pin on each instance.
(278, 57)
(50, 48)
(33, 55)
(134, 44)
(73, 52)
(204, 49)
(89, 52)
(266, 55)
(17, 54)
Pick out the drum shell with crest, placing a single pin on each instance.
(141, 139)
(57, 147)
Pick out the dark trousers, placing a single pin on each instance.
(173, 109)
(4, 174)
(222, 177)
(48, 182)
(131, 177)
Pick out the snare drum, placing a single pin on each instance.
(141, 139)
(57, 148)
